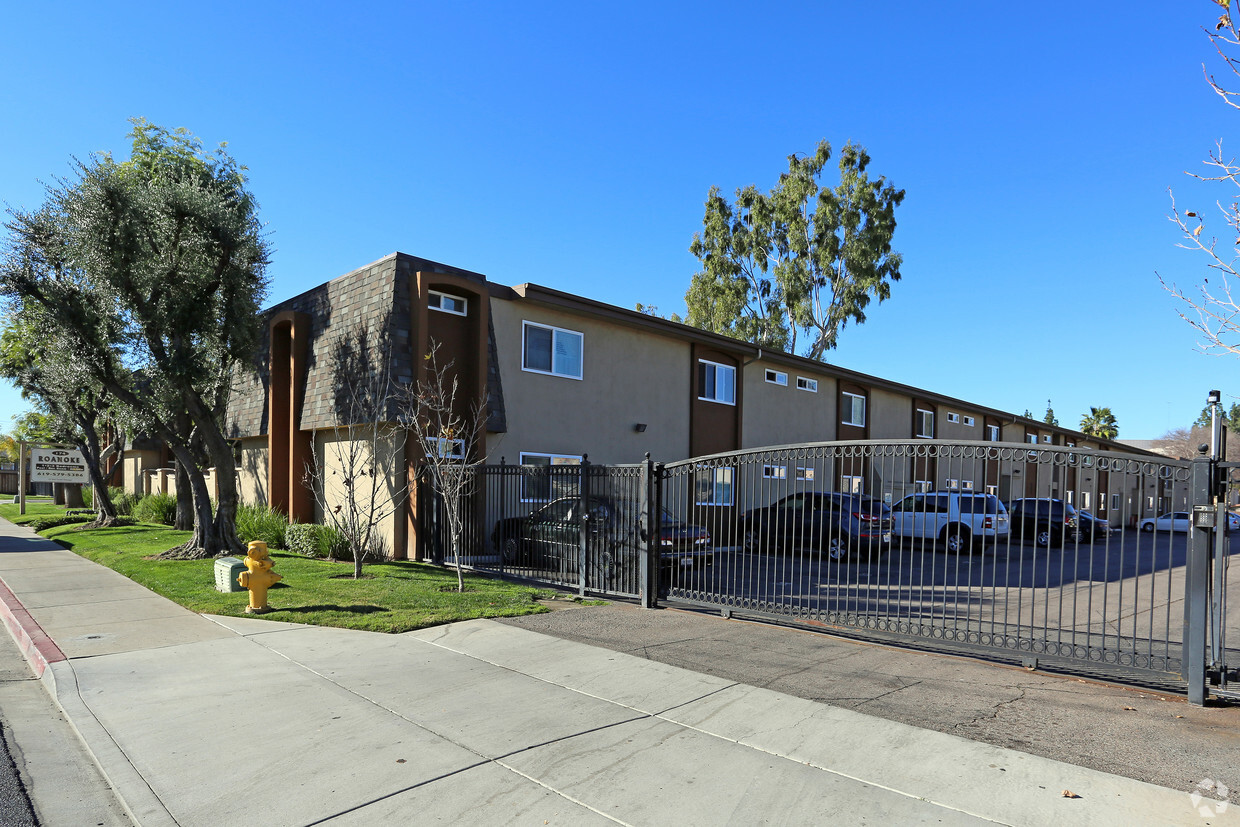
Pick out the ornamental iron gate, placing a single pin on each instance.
(1078, 560)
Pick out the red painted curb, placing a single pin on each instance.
(39, 649)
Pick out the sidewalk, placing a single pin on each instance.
(199, 720)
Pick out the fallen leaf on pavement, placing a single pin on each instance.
(1069, 794)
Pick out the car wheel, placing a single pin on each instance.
(837, 548)
(1148, 528)
(956, 539)
(511, 550)
(751, 541)
(1043, 538)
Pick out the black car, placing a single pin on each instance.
(1092, 528)
(829, 523)
(1047, 522)
(550, 537)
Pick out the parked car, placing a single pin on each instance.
(1171, 521)
(956, 519)
(1091, 528)
(1045, 521)
(826, 522)
(550, 537)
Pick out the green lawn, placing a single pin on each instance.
(394, 597)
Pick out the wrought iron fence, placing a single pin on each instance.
(1033, 550)
(575, 526)
(1034, 553)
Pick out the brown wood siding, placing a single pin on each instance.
(851, 466)
(714, 427)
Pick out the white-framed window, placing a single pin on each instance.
(1085, 501)
(453, 448)
(953, 417)
(1071, 444)
(967, 485)
(551, 350)
(805, 473)
(804, 383)
(546, 481)
(716, 382)
(992, 433)
(1115, 502)
(852, 485)
(713, 486)
(953, 485)
(447, 303)
(923, 487)
(968, 421)
(925, 423)
(775, 472)
(992, 490)
(1032, 438)
(1150, 501)
(1071, 498)
(776, 377)
(1046, 438)
(854, 409)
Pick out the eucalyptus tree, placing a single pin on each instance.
(160, 259)
(802, 258)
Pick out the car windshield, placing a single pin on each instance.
(865, 505)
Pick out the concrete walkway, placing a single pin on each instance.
(200, 720)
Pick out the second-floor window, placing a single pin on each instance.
(853, 412)
(716, 382)
(447, 303)
(551, 350)
(925, 423)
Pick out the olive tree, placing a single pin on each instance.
(161, 259)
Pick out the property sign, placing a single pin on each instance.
(57, 465)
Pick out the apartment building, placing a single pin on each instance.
(564, 376)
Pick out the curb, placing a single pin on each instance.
(39, 650)
(55, 672)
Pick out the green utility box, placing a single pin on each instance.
(226, 571)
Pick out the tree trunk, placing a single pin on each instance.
(73, 496)
(185, 499)
(58, 493)
(105, 511)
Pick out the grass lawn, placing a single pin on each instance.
(394, 597)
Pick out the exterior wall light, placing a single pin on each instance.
(640, 427)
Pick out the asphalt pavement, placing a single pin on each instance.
(201, 720)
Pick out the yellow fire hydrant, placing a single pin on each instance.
(258, 577)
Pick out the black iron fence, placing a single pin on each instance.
(1045, 555)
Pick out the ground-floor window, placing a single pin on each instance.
(852, 485)
(713, 486)
(545, 484)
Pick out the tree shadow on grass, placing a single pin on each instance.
(331, 607)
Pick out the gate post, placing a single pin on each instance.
(648, 537)
(1197, 583)
(583, 494)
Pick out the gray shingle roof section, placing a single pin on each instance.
(375, 298)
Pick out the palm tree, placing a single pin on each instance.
(1100, 422)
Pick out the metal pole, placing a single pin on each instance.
(21, 477)
(1197, 585)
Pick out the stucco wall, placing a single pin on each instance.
(628, 376)
(252, 471)
(890, 415)
(332, 451)
(782, 414)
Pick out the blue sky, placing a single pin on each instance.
(573, 146)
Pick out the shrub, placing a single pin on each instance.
(122, 501)
(260, 522)
(317, 541)
(156, 508)
(44, 523)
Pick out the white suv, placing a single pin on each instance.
(955, 519)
